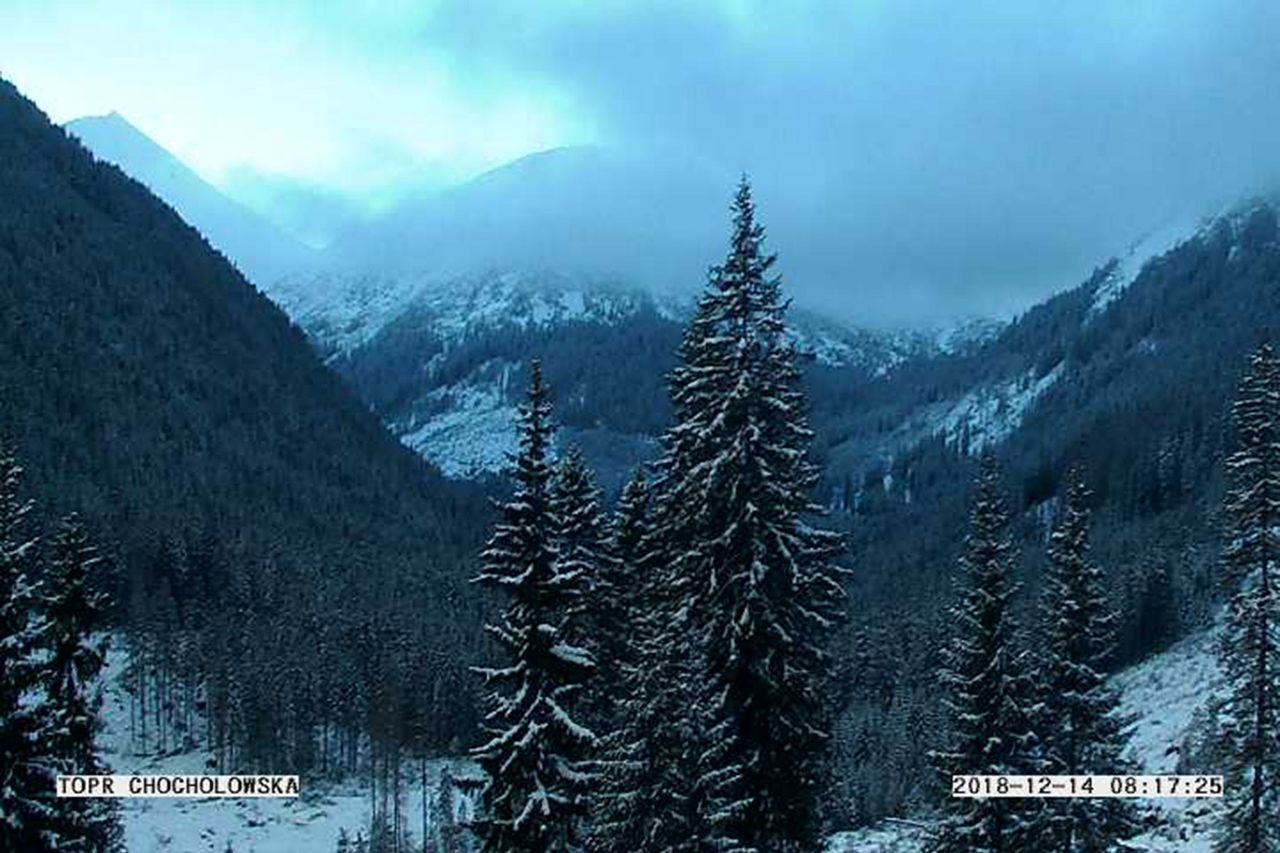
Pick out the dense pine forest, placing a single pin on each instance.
(290, 583)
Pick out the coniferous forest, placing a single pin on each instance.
(523, 557)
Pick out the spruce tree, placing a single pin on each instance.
(757, 591)
(27, 771)
(536, 759)
(631, 521)
(584, 550)
(1250, 648)
(988, 699)
(76, 615)
(1078, 724)
(644, 800)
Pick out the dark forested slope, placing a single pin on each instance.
(146, 383)
(148, 386)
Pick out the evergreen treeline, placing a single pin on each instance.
(289, 581)
(1250, 645)
(1141, 405)
(1030, 702)
(1042, 705)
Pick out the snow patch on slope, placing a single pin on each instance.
(474, 434)
(343, 311)
(896, 836)
(1128, 265)
(989, 414)
(1162, 696)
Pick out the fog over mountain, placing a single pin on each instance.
(584, 209)
(978, 479)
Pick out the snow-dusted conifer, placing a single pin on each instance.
(584, 550)
(631, 519)
(1250, 649)
(537, 757)
(988, 699)
(76, 615)
(1079, 729)
(26, 770)
(757, 592)
(644, 797)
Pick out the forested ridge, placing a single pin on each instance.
(258, 521)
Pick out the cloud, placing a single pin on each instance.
(913, 158)
(328, 92)
(925, 157)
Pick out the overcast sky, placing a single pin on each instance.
(916, 159)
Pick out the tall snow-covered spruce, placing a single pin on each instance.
(26, 771)
(988, 698)
(1078, 724)
(1250, 649)
(76, 614)
(537, 758)
(755, 586)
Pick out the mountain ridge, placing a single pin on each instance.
(262, 251)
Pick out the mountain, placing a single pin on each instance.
(441, 359)
(261, 251)
(516, 263)
(152, 389)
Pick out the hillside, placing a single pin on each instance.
(1168, 697)
(149, 387)
(1129, 374)
(441, 358)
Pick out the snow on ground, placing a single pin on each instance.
(1161, 694)
(342, 311)
(476, 429)
(1164, 693)
(307, 824)
(1151, 245)
(989, 414)
(886, 837)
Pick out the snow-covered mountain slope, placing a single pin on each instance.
(440, 358)
(1124, 268)
(261, 251)
(1135, 316)
(342, 312)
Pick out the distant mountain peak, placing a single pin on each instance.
(262, 251)
(114, 138)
